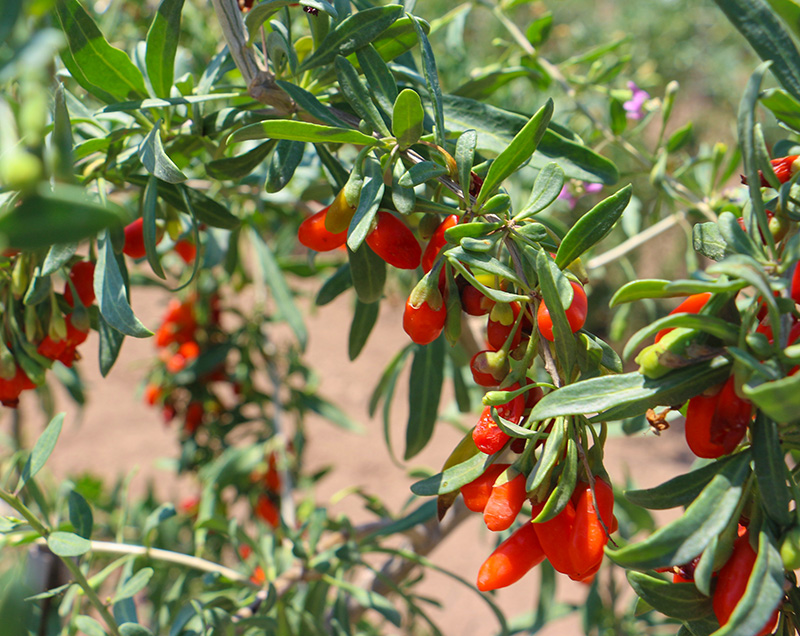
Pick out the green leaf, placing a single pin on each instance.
(677, 600)
(368, 598)
(89, 626)
(722, 329)
(99, 67)
(149, 229)
(204, 208)
(738, 241)
(67, 544)
(379, 77)
(680, 138)
(301, 131)
(154, 519)
(368, 271)
(685, 538)
(495, 128)
(654, 288)
(785, 107)
(110, 345)
(63, 214)
(421, 172)
(240, 165)
(629, 394)
(593, 226)
(353, 32)
(517, 152)
(133, 585)
(770, 469)
(407, 118)
(758, 24)
(400, 37)
(392, 369)
(358, 96)
(548, 185)
(489, 82)
(80, 514)
(275, 280)
(162, 43)
(210, 125)
(368, 203)
(552, 282)
(465, 158)
(309, 103)
(339, 282)
(57, 257)
(112, 293)
(707, 240)
(424, 392)
(51, 593)
(41, 450)
(285, 159)
(133, 629)
(330, 412)
(431, 81)
(364, 318)
(155, 159)
(681, 490)
(452, 478)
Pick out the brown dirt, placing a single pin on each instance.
(117, 434)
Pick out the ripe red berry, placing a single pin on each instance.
(474, 303)
(186, 250)
(437, 242)
(394, 242)
(82, 277)
(134, 239)
(423, 324)
(313, 234)
(511, 560)
(692, 305)
(576, 313)
(498, 331)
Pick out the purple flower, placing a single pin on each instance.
(633, 107)
(566, 195)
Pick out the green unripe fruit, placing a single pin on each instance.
(20, 170)
(790, 549)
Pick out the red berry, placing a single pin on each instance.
(82, 277)
(497, 331)
(186, 250)
(134, 239)
(423, 324)
(437, 242)
(313, 234)
(576, 313)
(692, 305)
(394, 242)
(474, 303)
(194, 417)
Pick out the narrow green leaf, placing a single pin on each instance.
(517, 152)
(779, 399)
(391, 369)
(204, 208)
(368, 271)
(708, 241)
(162, 43)
(110, 345)
(770, 469)
(758, 24)
(285, 159)
(89, 626)
(619, 396)
(431, 81)
(424, 392)
(785, 107)
(63, 214)
(552, 281)
(452, 478)
(685, 538)
(239, 165)
(407, 118)
(112, 293)
(99, 67)
(339, 282)
(368, 204)
(465, 158)
(157, 517)
(80, 514)
(301, 131)
(222, 119)
(353, 32)
(548, 185)
(133, 585)
(364, 318)
(309, 103)
(554, 447)
(331, 412)
(677, 600)
(399, 38)
(367, 598)
(67, 544)
(421, 172)
(379, 77)
(593, 226)
(57, 257)
(358, 96)
(735, 237)
(275, 280)
(149, 229)
(155, 159)
(51, 593)
(41, 450)
(681, 490)
(130, 628)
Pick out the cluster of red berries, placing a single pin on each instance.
(182, 339)
(572, 541)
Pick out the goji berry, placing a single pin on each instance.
(476, 493)
(488, 437)
(437, 242)
(504, 504)
(82, 277)
(784, 168)
(186, 250)
(134, 239)
(489, 368)
(473, 302)
(315, 236)
(576, 313)
(511, 560)
(554, 536)
(394, 242)
(423, 323)
(731, 417)
(588, 536)
(268, 511)
(498, 330)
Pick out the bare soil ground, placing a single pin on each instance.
(117, 433)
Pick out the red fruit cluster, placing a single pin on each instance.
(784, 168)
(716, 423)
(572, 541)
(135, 248)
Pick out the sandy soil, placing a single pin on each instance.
(117, 434)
